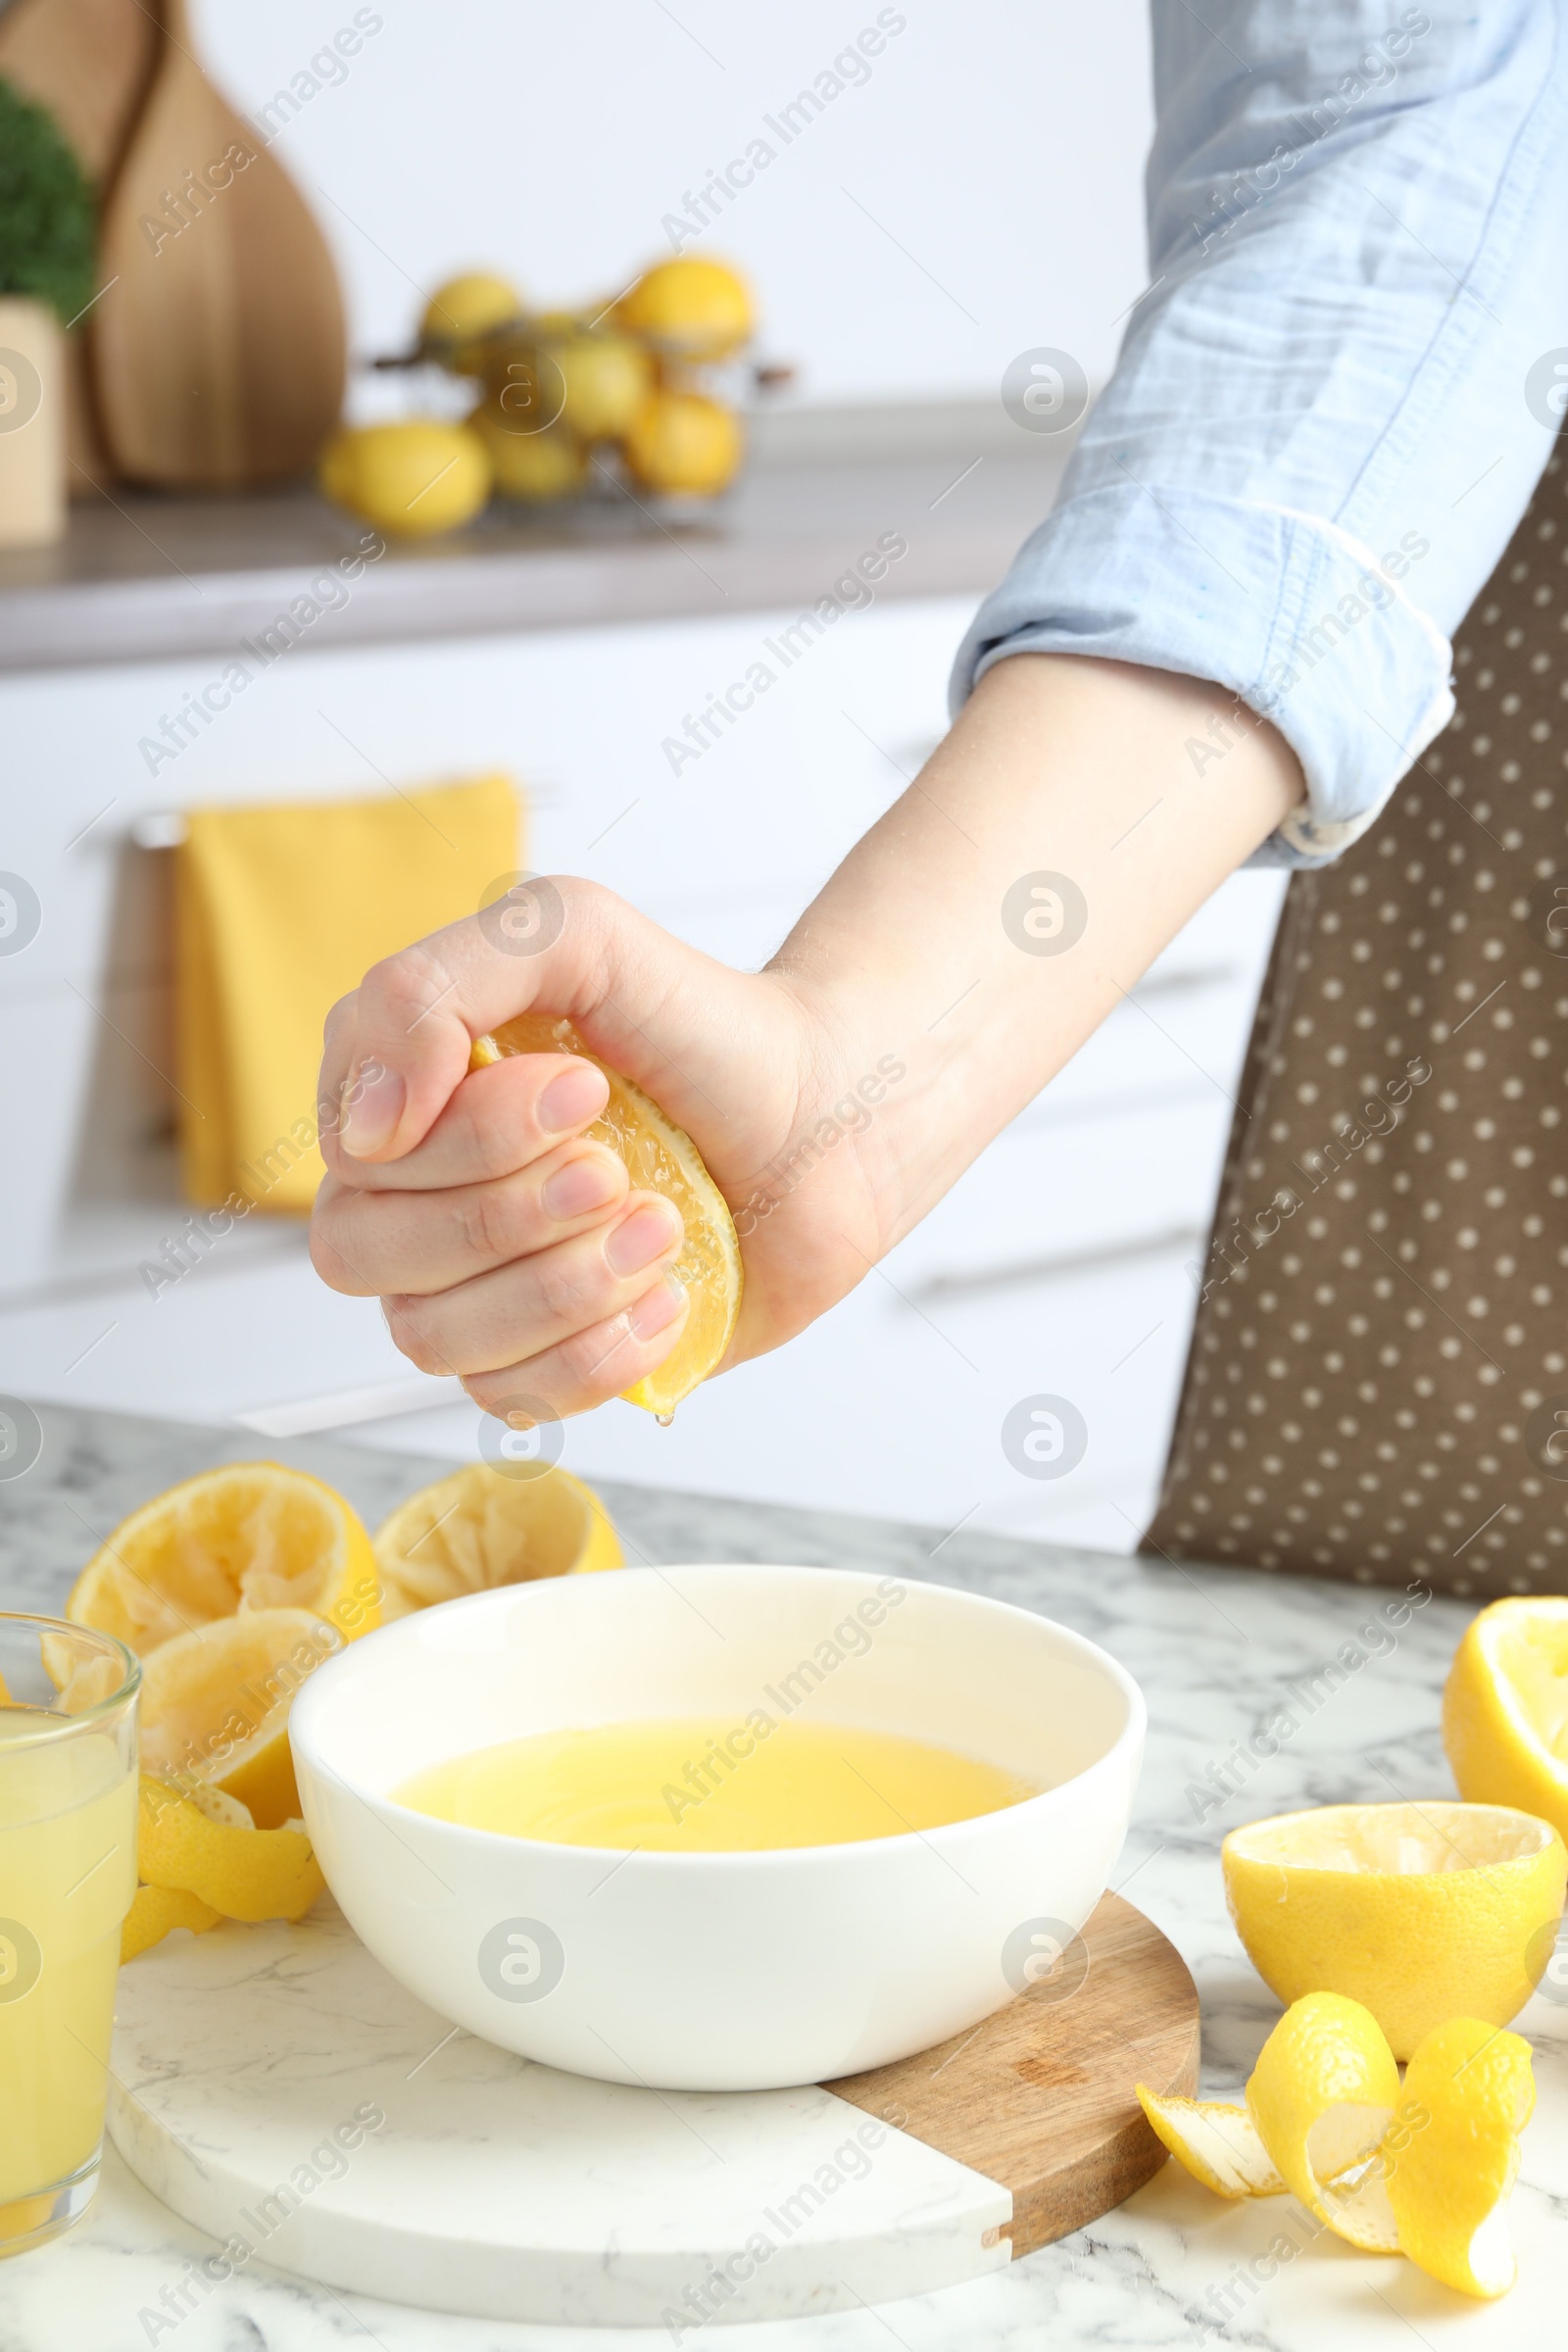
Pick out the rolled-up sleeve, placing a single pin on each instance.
(1338, 392)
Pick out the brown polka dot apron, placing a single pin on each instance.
(1378, 1380)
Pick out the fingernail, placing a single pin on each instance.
(372, 1104)
(571, 1098)
(659, 1310)
(583, 1183)
(641, 1238)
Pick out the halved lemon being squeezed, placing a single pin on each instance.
(660, 1157)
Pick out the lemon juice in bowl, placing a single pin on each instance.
(708, 1785)
(68, 1874)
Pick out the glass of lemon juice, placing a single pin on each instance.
(68, 1874)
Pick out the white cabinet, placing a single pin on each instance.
(1054, 1267)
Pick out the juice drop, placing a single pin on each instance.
(666, 1420)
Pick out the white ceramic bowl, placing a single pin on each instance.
(731, 1971)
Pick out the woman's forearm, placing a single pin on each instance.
(1077, 814)
(1304, 466)
(1075, 817)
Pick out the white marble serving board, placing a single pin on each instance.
(251, 2065)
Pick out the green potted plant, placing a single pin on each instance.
(47, 268)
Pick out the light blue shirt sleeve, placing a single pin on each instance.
(1339, 388)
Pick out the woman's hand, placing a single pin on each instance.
(506, 1248)
(910, 1015)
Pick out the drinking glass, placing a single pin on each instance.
(67, 1875)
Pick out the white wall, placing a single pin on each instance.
(999, 144)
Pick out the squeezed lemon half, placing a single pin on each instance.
(1505, 1709)
(214, 1707)
(249, 1536)
(474, 1530)
(1420, 1912)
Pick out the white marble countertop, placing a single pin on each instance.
(1216, 1652)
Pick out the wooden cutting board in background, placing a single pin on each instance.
(219, 354)
(90, 62)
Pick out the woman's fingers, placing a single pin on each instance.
(521, 1309)
(367, 1243)
(591, 1367)
(498, 1119)
(397, 1049)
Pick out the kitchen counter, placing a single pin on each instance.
(142, 576)
(1216, 1652)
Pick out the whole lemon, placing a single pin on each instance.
(523, 388)
(552, 463)
(683, 441)
(410, 479)
(461, 313)
(592, 381)
(335, 468)
(605, 379)
(690, 308)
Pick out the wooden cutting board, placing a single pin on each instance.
(473, 2181)
(90, 62)
(219, 351)
(1040, 2097)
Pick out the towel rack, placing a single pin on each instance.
(159, 829)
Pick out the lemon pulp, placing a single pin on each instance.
(710, 1784)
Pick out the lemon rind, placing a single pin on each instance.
(1186, 2126)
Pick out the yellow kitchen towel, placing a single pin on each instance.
(279, 911)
